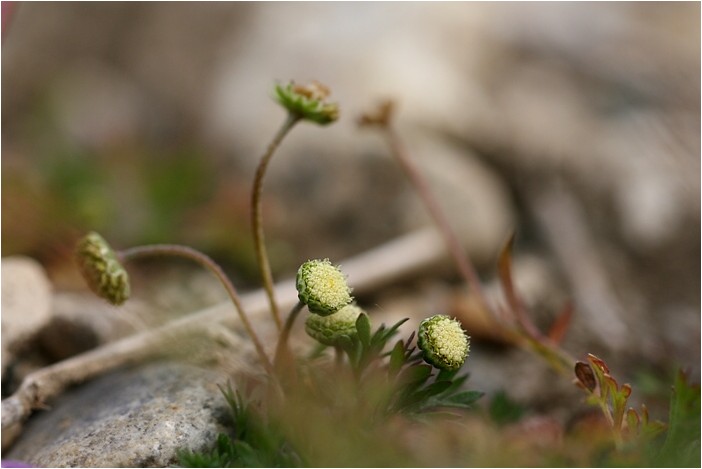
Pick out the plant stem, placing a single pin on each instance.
(285, 333)
(465, 267)
(339, 357)
(257, 216)
(208, 263)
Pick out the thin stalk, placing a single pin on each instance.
(212, 266)
(285, 333)
(257, 216)
(465, 267)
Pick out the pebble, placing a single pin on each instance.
(26, 304)
(136, 417)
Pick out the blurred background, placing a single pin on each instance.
(577, 125)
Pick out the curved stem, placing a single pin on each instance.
(208, 263)
(465, 267)
(257, 216)
(285, 333)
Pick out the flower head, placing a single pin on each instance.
(443, 342)
(331, 330)
(308, 102)
(381, 116)
(322, 287)
(101, 269)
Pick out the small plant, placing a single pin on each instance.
(604, 392)
(359, 393)
(385, 380)
(302, 103)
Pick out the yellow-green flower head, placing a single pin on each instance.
(332, 329)
(308, 102)
(322, 287)
(101, 269)
(443, 342)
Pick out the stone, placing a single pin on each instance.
(26, 303)
(132, 417)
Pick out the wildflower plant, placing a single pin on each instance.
(375, 379)
(302, 103)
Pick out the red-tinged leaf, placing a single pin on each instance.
(560, 326)
(632, 421)
(644, 414)
(608, 386)
(611, 382)
(585, 376)
(599, 363)
(626, 390)
(504, 268)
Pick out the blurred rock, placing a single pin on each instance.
(136, 417)
(82, 322)
(26, 304)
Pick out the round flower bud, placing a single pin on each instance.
(330, 330)
(308, 102)
(443, 342)
(322, 287)
(100, 268)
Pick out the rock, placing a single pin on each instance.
(26, 304)
(137, 417)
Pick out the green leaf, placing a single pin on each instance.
(414, 374)
(504, 410)
(456, 384)
(378, 336)
(422, 399)
(390, 332)
(397, 357)
(435, 389)
(463, 399)
(363, 326)
(682, 444)
(446, 375)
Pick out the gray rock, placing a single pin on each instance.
(137, 417)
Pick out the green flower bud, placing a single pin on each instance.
(332, 329)
(101, 269)
(443, 342)
(308, 102)
(322, 287)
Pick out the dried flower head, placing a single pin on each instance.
(101, 269)
(334, 329)
(443, 342)
(322, 287)
(308, 102)
(381, 116)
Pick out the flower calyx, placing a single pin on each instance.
(307, 102)
(443, 342)
(335, 329)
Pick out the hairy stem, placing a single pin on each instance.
(212, 266)
(465, 267)
(285, 333)
(257, 216)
